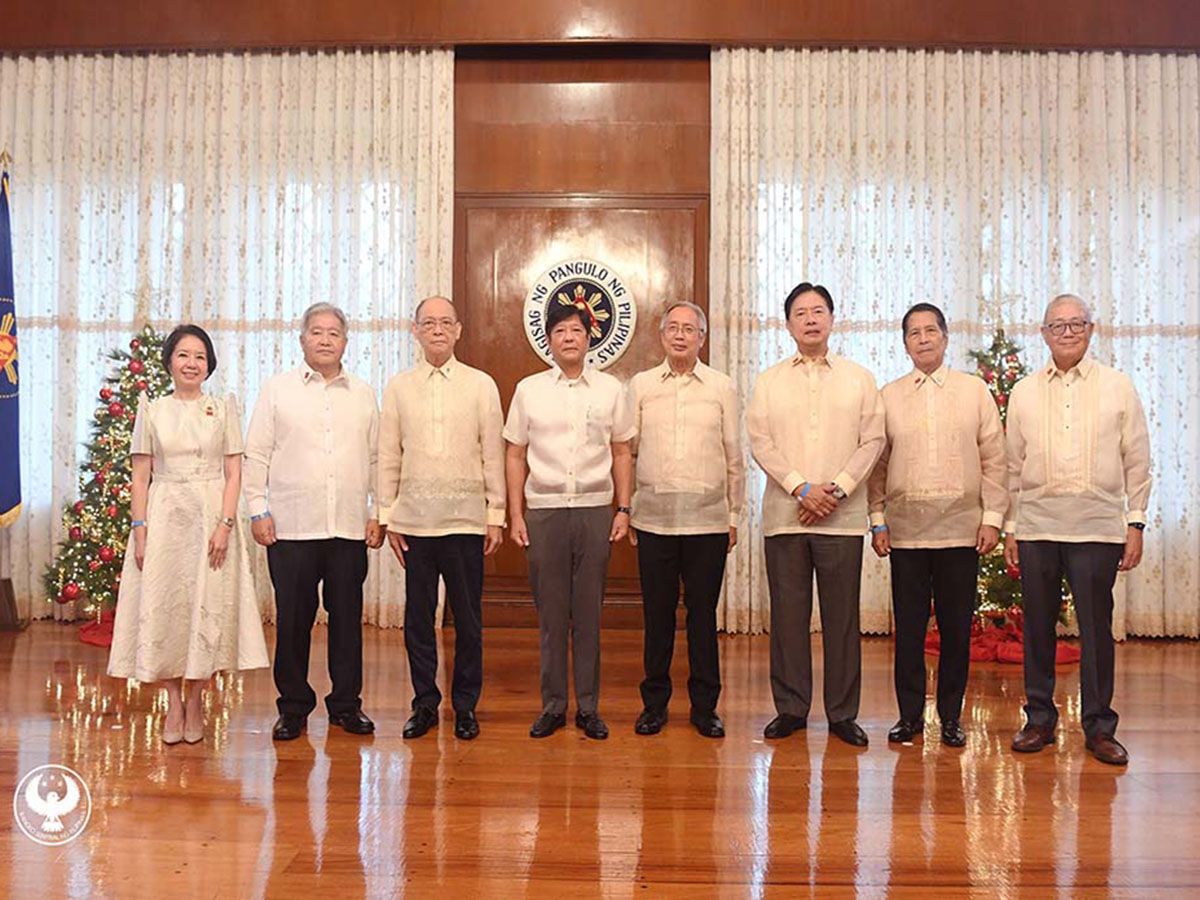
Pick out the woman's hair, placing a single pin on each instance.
(179, 334)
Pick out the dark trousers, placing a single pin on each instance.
(949, 576)
(1090, 570)
(297, 567)
(698, 560)
(837, 561)
(458, 560)
(568, 564)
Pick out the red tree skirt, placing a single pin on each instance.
(98, 633)
(1002, 643)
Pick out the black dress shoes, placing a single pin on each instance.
(353, 722)
(288, 728)
(903, 732)
(593, 726)
(466, 726)
(953, 735)
(546, 724)
(709, 724)
(783, 725)
(848, 731)
(651, 721)
(422, 719)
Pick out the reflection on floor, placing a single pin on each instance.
(676, 814)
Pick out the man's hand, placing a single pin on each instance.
(732, 538)
(263, 531)
(399, 546)
(518, 532)
(986, 539)
(819, 502)
(375, 533)
(620, 527)
(493, 540)
(1133, 550)
(1012, 558)
(881, 542)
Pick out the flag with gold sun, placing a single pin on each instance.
(10, 457)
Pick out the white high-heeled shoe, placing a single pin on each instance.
(193, 732)
(171, 735)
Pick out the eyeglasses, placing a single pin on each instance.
(685, 330)
(431, 324)
(1075, 326)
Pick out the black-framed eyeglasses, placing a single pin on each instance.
(1075, 326)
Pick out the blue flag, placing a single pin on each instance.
(10, 456)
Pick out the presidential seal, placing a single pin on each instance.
(52, 805)
(595, 288)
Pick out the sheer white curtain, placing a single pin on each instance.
(985, 182)
(231, 190)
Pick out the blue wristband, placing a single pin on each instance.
(138, 523)
(260, 516)
(875, 529)
(804, 489)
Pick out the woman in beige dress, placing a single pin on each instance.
(187, 606)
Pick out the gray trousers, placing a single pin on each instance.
(568, 562)
(791, 561)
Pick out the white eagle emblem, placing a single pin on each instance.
(52, 807)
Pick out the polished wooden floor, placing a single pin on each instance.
(675, 814)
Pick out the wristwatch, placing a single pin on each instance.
(1140, 526)
(838, 492)
(625, 509)
(227, 521)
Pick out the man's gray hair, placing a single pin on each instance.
(1068, 298)
(316, 309)
(685, 304)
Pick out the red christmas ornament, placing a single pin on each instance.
(116, 490)
(93, 565)
(141, 385)
(78, 507)
(99, 479)
(70, 592)
(116, 409)
(105, 394)
(1002, 400)
(1012, 572)
(112, 512)
(131, 416)
(76, 533)
(107, 554)
(135, 345)
(989, 376)
(137, 367)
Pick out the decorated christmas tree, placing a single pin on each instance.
(87, 566)
(1000, 366)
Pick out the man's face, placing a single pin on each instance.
(810, 321)
(569, 342)
(323, 341)
(925, 341)
(438, 328)
(1067, 331)
(681, 336)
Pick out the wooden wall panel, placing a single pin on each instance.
(582, 121)
(221, 24)
(575, 152)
